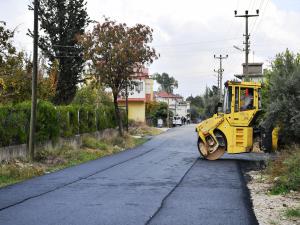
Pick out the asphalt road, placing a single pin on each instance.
(161, 182)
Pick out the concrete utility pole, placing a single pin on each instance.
(220, 73)
(126, 105)
(168, 114)
(34, 82)
(247, 37)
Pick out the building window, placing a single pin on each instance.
(139, 87)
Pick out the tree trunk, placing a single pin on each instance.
(118, 115)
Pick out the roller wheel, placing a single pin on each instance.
(212, 155)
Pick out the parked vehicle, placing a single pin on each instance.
(160, 123)
(177, 121)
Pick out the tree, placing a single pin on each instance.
(62, 22)
(197, 107)
(196, 101)
(6, 47)
(155, 111)
(167, 83)
(92, 96)
(16, 73)
(211, 99)
(281, 96)
(115, 52)
(15, 82)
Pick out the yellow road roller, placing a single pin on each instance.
(231, 128)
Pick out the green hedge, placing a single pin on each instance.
(52, 121)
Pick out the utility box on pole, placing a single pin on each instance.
(255, 72)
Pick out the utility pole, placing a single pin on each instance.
(220, 73)
(247, 37)
(168, 114)
(34, 82)
(126, 105)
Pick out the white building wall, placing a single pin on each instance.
(138, 91)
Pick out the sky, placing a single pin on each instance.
(188, 34)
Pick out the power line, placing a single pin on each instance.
(263, 14)
(251, 3)
(65, 46)
(195, 43)
(247, 36)
(220, 73)
(260, 9)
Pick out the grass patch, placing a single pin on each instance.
(285, 171)
(140, 141)
(292, 213)
(16, 171)
(144, 130)
(90, 142)
(50, 160)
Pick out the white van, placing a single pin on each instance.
(177, 121)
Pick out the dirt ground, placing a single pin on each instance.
(270, 209)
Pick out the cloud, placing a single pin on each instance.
(188, 33)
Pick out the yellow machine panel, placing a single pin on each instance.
(231, 130)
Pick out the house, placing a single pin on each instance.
(176, 103)
(255, 72)
(138, 95)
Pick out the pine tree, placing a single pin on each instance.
(61, 23)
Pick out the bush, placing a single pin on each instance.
(285, 170)
(87, 120)
(102, 121)
(281, 96)
(90, 142)
(47, 127)
(156, 110)
(64, 121)
(52, 122)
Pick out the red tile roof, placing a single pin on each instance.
(163, 94)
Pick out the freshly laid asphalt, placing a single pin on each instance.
(163, 182)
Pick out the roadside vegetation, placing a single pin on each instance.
(281, 103)
(293, 213)
(275, 191)
(284, 171)
(203, 106)
(50, 160)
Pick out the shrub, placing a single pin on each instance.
(90, 142)
(285, 170)
(292, 212)
(83, 120)
(52, 121)
(102, 121)
(74, 120)
(106, 117)
(64, 121)
(47, 127)
(92, 120)
(281, 96)
(156, 110)
(14, 124)
(5, 132)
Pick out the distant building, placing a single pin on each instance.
(138, 96)
(255, 72)
(176, 103)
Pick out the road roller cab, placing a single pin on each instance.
(231, 129)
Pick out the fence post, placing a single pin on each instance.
(96, 120)
(78, 118)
